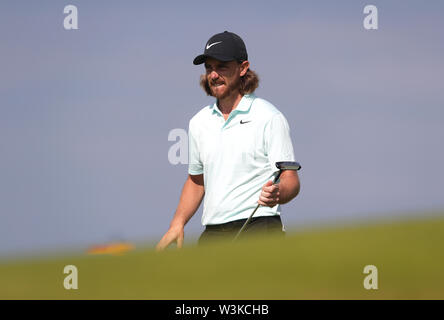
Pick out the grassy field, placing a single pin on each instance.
(325, 263)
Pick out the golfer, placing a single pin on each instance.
(233, 147)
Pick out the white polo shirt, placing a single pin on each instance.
(237, 157)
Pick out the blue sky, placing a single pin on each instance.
(85, 114)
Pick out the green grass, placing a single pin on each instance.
(325, 263)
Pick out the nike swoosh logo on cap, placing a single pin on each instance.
(210, 45)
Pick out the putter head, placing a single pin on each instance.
(288, 165)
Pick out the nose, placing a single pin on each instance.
(214, 75)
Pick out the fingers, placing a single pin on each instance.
(163, 243)
(268, 202)
(270, 188)
(268, 183)
(170, 237)
(180, 241)
(273, 194)
(270, 195)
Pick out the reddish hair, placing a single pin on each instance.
(248, 83)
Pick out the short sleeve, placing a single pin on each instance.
(278, 141)
(195, 165)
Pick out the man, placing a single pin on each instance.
(233, 146)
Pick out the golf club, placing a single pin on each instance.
(282, 165)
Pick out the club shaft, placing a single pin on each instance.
(246, 222)
(252, 214)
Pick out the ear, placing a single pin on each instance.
(245, 65)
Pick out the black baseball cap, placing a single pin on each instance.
(225, 46)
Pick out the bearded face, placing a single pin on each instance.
(223, 78)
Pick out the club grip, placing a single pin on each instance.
(277, 177)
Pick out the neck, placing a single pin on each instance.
(228, 104)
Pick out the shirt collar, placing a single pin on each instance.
(243, 106)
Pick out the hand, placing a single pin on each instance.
(174, 234)
(270, 195)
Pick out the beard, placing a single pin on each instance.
(231, 88)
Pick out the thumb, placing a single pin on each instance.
(269, 183)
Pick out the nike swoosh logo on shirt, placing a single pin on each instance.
(210, 45)
(244, 122)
